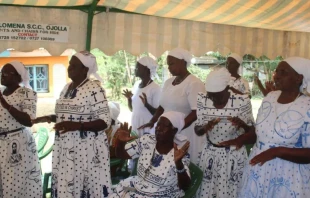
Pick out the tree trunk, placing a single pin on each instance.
(127, 68)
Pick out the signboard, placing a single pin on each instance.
(33, 32)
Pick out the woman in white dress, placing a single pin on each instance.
(279, 164)
(218, 112)
(179, 93)
(162, 167)
(81, 162)
(144, 98)
(237, 84)
(20, 174)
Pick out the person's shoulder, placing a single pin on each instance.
(273, 95)
(148, 138)
(27, 91)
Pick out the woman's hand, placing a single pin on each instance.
(143, 98)
(265, 156)
(238, 143)
(123, 133)
(270, 86)
(237, 122)
(180, 153)
(42, 119)
(127, 94)
(210, 125)
(67, 126)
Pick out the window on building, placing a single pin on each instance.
(38, 77)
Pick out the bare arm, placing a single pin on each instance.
(296, 155)
(190, 118)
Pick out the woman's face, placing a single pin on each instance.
(141, 71)
(216, 97)
(175, 65)
(9, 76)
(164, 131)
(232, 65)
(286, 78)
(76, 69)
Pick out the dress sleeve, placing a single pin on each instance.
(201, 98)
(246, 114)
(192, 92)
(135, 148)
(155, 97)
(245, 87)
(99, 103)
(29, 104)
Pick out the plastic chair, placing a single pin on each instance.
(196, 179)
(249, 148)
(41, 138)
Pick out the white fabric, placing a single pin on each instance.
(151, 64)
(301, 66)
(237, 57)
(114, 110)
(181, 54)
(89, 60)
(183, 98)
(176, 119)
(279, 125)
(22, 71)
(162, 180)
(217, 80)
(140, 114)
(81, 162)
(20, 169)
(240, 84)
(222, 167)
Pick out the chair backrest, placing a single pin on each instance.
(41, 138)
(196, 179)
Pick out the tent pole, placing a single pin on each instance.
(90, 16)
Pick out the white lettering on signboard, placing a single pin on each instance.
(33, 32)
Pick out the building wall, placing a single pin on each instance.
(51, 62)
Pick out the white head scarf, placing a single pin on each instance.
(114, 110)
(181, 54)
(217, 80)
(22, 71)
(237, 57)
(89, 60)
(177, 120)
(151, 64)
(301, 66)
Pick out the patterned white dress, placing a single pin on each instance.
(241, 84)
(140, 114)
(81, 162)
(285, 125)
(156, 173)
(20, 174)
(183, 98)
(222, 167)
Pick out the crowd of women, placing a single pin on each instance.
(184, 121)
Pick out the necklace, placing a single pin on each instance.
(70, 93)
(176, 82)
(146, 84)
(293, 102)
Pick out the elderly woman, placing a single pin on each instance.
(162, 166)
(144, 98)
(179, 93)
(279, 164)
(81, 165)
(20, 168)
(237, 84)
(220, 114)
